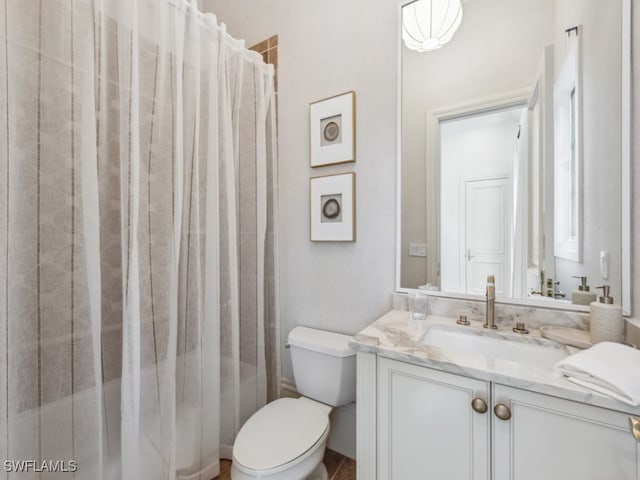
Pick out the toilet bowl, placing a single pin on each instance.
(286, 439)
(283, 440)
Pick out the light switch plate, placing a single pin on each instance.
(417, 249)
(604, 264)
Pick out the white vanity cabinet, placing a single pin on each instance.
(426, 425)
(415, 422)
(551, 438)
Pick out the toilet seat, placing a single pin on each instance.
(280, 433)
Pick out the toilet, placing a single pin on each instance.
(286, 439)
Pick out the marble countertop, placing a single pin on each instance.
(397, 337)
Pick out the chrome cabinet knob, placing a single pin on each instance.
(479, 405)
(502, 411)
(634, 423)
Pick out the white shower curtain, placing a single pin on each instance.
(138, 326)
(520, 217)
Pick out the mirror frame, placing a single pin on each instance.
(625, 179)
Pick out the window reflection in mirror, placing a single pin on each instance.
(568, 153)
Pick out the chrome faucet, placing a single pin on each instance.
(490, 321)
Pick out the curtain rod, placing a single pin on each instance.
(572, 29)
(185, 7)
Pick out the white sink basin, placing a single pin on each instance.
(466, 340)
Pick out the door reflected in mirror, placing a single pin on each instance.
(512, 151)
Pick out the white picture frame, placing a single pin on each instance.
(333, 208)
(332, 125)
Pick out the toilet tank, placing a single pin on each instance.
(324, 367)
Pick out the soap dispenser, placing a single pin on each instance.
(582, 296)
(607, 324)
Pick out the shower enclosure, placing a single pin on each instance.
(138, 320)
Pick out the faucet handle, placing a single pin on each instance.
(519, 328)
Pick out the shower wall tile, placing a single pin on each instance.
(226, 345)
(111, 408)
(247, 207)
(248, 252)
(24, 435)
(23, 76)
(23, 259)
(57, 17)
(261, 47)
(269, 50)
(248, 319)
(23, 395)
(87, 425)
(57, 430)
(55, 371)
(111, 353)
(84, 376)
(25, 26)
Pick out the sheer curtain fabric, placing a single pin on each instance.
(138, 320)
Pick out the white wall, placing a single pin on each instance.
(326, 48)
(472, 148)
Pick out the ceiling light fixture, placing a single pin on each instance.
(428, 24)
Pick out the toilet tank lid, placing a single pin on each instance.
(329, 343)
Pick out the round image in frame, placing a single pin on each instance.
(331, 131)
(331, 208)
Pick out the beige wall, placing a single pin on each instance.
(326, 48)
(337, 286)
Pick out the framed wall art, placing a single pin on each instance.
(333, 208)
(332, 124)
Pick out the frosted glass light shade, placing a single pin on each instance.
(429, 24)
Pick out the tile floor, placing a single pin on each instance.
(338, 466)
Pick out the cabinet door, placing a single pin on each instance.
(554, 439)
(427, 428)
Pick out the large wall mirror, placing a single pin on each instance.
(515, 157)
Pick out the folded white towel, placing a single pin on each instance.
(609, 368)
